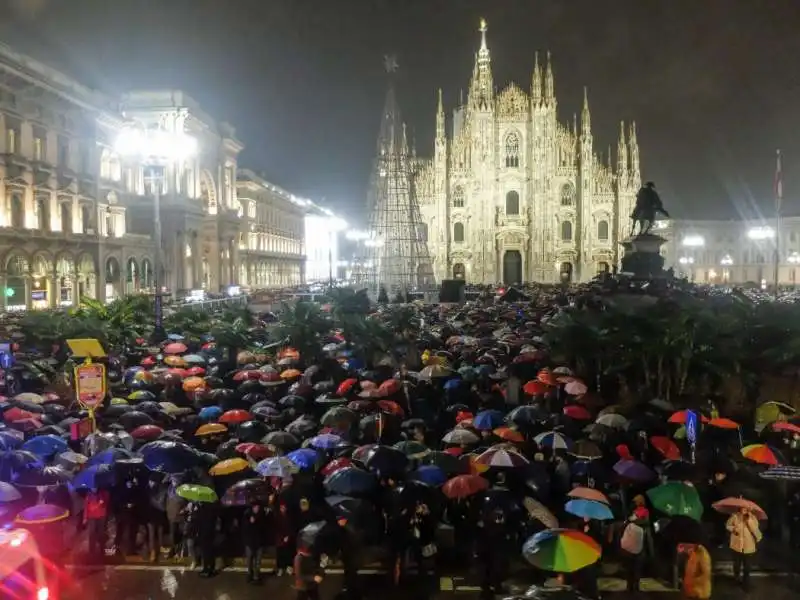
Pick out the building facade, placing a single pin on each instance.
(271, 239)
(740, 253)
(514, 195)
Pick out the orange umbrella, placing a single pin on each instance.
(289, 353)
(175, 361)
(535, 388)
(463, 486)
(392, 407)
(389, 387)
(291, 374)
(210, 429)
(587, 493)
(508, 434)
(762, 454)
(723, 423)
(192, 384)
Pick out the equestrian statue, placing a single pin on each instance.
(648, 207)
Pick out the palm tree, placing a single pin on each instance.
(303, 324)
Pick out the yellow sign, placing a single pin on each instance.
(86, 348)
(90, 384)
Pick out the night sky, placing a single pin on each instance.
(714, 85)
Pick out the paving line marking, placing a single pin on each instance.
(184, 569)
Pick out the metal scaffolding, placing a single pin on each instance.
(395, 256)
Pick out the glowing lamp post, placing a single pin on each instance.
(156, 149)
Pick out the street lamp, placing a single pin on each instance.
(335, 225)
(156, 149)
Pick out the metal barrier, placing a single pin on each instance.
(213, 304)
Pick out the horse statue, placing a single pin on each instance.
(648, 207)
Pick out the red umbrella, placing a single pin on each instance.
(175, 348)
(235, 416)
(391, 407)
(346, 386)
(336, 465)
(255, 451)
(785, 426)
(463, 486)
(147, 432)
(148, 361)
(195, 371)
(247, 375)
(535, 388)
(679, 418)
(577, 412)
(389, 387)
(666, 447)
(178, 372)
(17, 414)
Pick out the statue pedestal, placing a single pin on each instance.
(642, 257)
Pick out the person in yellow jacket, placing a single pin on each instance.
(745, 535)
(697, 575)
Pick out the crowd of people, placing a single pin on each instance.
(490, 456)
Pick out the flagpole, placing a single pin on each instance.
(778, 203)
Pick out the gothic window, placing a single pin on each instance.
(567, 195)
(66, 217)
(42, 214)
(566, 231)
(512, 150)
(458, 232)
(17, 212)
(602, 230)
(512, 203)
(458, 197)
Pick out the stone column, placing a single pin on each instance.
(55, 290)
(28, 289)
(4, 212)
(3, 298)
(180, 262)
(234, 260)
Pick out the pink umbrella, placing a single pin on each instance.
(175, 348)
(576, 388)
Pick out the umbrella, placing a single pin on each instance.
(38, 476)
(436, 372)
(170, 456)
(589, 509)
(448, 463)
(487, 420)
(413, 449)
(246, 492)
(429, 475)
(462, 437)
(109, 456)
(613, 420)
(508, 434)
(281, 439)
(147, 432)
(350, 481)
(305, 458)
(760, 453)
(586, 449)
(577, 412)
(526, 415)
(346, 386)
(677, 499)
(339, 416)
(588, 494)
(196, 493)
(95, 477)
(536, 388)
(10, 439)
(501, 457)
(550, 592)
(633, 470)
(561, 550)
(575, 388)
(45, 445)
(276, 466)
(733, 505)
(228, 467)
(553, 440)
(233, 417)
(666, 447)
(540, 512)
(386, 460)
(254, 451)
(319, 536)
(782, 473)
(210, 429)
(41, 514)
(325, 441)
(464, 486)
(132, 420)
(8, 493)
(175, 348)
(358, 515)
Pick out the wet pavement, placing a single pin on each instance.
(148, 582)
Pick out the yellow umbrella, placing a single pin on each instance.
(290, 374)
(175, 361)
(191, 384)
(772, 411)
(210, 429)
(143, 376)
(118, 401)
(229, 466)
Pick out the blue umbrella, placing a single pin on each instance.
(452, 384)
(305, 458)
(45, 445)
(430, 475)
(589, 509)
(168, 456)
(95, 477)
(350, 481)
(486, 420)
(276, 466)
(39, 476)
(109, 457)
(175, 337)
(325, 441)
(11, 439)
(210, 413)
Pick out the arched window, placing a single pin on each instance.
(42, 213)
(512, 150)
(458, 232)
(17, 212)
(602, 230)
(566, 231)
(458, 197)
(567, 195)
(512, 203)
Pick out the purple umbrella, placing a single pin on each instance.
(633, 470)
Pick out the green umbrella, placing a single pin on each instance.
(196, 493)
(675, 498)
(413, 449)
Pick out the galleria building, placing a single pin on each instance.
(514, 195)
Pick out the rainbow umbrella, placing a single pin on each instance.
(561, 550)
(41, 514)
(762, 454)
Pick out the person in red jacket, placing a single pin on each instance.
(95, 518)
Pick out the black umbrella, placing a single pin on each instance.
(134, 419)
(34, 475)
(246, 492)
(448, 463)
(292, 401)
(227, 449)
(303, 427)
(527, 415)
(14, 461)
(550, 593)
(251, 431)
(115, 411)
(322, 537)
(282, 440)
(359, 517)
(388, 462)
(681, 530)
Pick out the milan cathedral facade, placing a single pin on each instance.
(513, 195)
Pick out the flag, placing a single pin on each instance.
(778, 185)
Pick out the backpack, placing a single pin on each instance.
(632, 540)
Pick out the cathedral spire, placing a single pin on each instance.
(404, 142)
(440, 118)
(633, 145)
(586, 117)
(484, 51)
(622, 152)
(536, 82)
(549, 87)
(482, 88)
